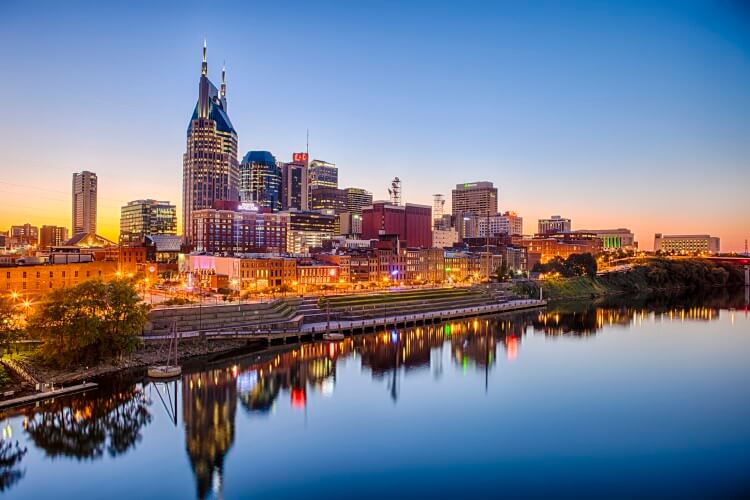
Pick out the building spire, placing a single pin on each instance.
(224, 80)
(204, 65)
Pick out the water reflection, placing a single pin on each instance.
(111, 419)
(84, 426)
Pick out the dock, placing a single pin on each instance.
(43, 396)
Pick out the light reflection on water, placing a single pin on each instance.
(625, 399)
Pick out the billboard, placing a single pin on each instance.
(299, 158)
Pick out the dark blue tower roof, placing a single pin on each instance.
(259, 157)
(216, 113)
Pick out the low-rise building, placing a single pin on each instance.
(545, 248)
(613, 239)
(686, 243)
(39, 279)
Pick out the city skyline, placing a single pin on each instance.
(672, 159)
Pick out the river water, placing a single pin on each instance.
(612, 400)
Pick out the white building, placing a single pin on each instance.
(686, 243)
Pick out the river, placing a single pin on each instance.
(638, 397)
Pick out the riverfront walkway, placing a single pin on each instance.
(312, 331)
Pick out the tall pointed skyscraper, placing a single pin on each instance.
(210, 170)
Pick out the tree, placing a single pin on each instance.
(10, 329)
(580, 264)
(502, 271)
(88, 322)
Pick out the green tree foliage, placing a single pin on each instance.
(88, 323)
(10, 329)
(577, 264)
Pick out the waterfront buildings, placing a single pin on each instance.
(410, 222)
(308, 230)
(52, 236)
(686, 243)
(210, 167)
(84, 202)
(140, 218)
(613, 239)
(544, 248)
(260, 181)
(554, 224)
(323, 174)
(41, 278)
(294, 183)
(228, 229)
(478, 198)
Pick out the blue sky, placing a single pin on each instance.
(632, 114)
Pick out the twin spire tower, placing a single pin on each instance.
(210, 170)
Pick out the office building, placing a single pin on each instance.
(210, 167)
(84, 202)
(260, 181)
(229, 229)
(478, 198)
(357, 199)
(140, 218)
(327, 199)
(438, 208)
(350, 223)
(323, 174)
(52, 236)
(23, 236)
(613, 239)
(483, 227)
(544, 248)
(294, 183)
(554, 224)
(686, 243)
(308, 230)
(444, 238)
(410, 223)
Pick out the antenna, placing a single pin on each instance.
(395, 191)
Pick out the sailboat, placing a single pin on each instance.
(171, 369)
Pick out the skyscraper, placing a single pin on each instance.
(210, 168)
(294, 183)
(260, 180)
(478, 198)
(323, 174)
(141, 218)
(357, 199)
(84, 203)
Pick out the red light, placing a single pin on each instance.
(299, 398)
(299, 157)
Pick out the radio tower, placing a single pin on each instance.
(395, 191)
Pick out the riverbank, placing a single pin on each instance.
(653, 277)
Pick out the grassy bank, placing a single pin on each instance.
(649, 277)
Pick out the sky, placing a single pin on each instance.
(613, 114)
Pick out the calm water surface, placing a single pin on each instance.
(648, 399)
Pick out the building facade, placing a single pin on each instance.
(357, 199)
(233, 232)
(210, 166)
(323, 174)
(554, 224)
(260, 180)
(140, 218)
(686, 243)
(308, 230)
(52, 236)
(613, 239)
(23, 236)
(410, 223)
(294, 183)
(84, 202)
(40, 279)
(327, 199)
(478, 198)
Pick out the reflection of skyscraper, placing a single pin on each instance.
(209, 405)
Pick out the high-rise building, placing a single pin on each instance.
(509, 223)
(554, 224)
(357, 199)
(309, 229)
(323, 174)
(328, 199)
(438, 208)
(260, 180)
(210, 168)
(686, 243)
(478, 198)
(232, 230)
(142, 218)
(410, 223)
(84, 202)
(52, 236)
(24, 235)
(294, 183)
